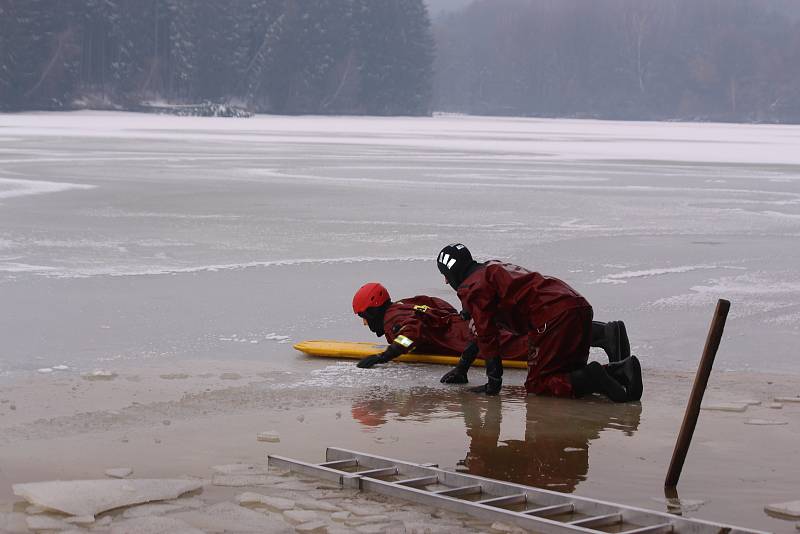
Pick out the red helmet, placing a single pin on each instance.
(370, 295)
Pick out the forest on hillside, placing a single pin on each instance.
(277, 56)
(722, 60)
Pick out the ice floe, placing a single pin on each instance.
(229, 517)
(119, 472)
(623, 277)
(154, 525)
(269, 437)
(726, 406)
(241, 469)
(91, 497)
(276, 504)
(765, 422)
(786, 509)
(99, 375)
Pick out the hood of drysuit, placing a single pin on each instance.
(455, 263)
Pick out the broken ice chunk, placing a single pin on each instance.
(765, 422)
(230, 376)
(151, 525)
(118, 472)
(80, 520)
(45, 370)
(786, 509)
(270, 437)
(241, 469)
(46, 522)
(91, 497)
(100, 374)
(314, 527)
(276, 504)
(341, 516)
(240, 481)
(313, 504)
(725, 406)
(296, 517)
(787, 399)
(229, 517)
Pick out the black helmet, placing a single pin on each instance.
(454, 262)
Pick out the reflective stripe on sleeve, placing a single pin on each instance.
(404, 341)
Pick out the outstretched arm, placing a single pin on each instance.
(392, 351)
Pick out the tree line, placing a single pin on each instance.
(278, 56)
(728, 60)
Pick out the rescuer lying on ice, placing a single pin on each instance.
(423, 324)
(556, 319)
(431, 325)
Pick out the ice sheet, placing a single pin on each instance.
(199, 228)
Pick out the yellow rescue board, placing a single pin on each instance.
(355, 350)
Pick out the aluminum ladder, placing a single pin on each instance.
(539, 510)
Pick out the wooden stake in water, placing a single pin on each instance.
(698, 389)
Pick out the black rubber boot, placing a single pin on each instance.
(628, 372)
(594, 379)
(494, 376)
(612, 337)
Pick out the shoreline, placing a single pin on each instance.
(174, 419)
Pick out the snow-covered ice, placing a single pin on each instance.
(195, 228)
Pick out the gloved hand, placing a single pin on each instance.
(369, 361)
(456, 375)
(392, 351)
(494, 374)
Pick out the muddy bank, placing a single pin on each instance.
(177, 419)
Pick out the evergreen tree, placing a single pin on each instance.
(396, 56)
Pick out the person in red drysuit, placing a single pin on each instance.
(423, 324)
(556, 319)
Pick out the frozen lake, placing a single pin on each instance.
(131, 237)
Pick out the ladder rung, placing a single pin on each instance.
(555, 509)
(652, 529)
(598, 520)
(350, 462)
(419, 481)
(544, 511)
(507, 499)
(463, 490)
(382, 472)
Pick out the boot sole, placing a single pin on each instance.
(605, 383)
(623, 342)
(635, 387)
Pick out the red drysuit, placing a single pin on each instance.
(429, 325)
(556, 319)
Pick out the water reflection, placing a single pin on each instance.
(554, 452)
